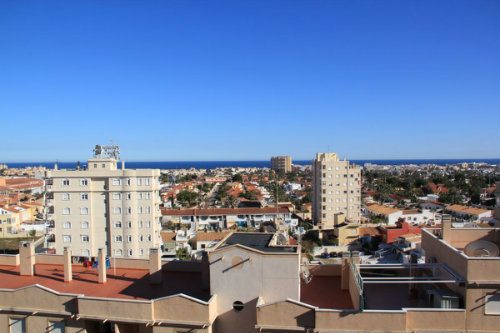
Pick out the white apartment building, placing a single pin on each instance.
(336, 188)
(104, 207)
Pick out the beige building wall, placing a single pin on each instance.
(240, 274)
(336, 188)
(281, 163)
(105, 207)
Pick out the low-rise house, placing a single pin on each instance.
(389, 234)
(432, 205)
(392, 215)
(224, 218)
(207, 240)
(467, 212)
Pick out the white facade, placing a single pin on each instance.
(104, 207)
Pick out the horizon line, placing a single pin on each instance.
(266, 160)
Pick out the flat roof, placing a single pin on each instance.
(257, 241)
(126, 284)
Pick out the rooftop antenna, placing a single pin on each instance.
(109, 151)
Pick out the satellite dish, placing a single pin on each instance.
(482, 248)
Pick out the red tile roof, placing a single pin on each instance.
(223, 211)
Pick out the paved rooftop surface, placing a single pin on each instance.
(127, 283)
(325, 292)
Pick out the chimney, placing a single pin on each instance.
(155, 266)
(446, 227)
(205, 272)
(68, 268)
(27, 258)
(101, 266)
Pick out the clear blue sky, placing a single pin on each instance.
(245, 80)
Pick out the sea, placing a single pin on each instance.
(245, 164)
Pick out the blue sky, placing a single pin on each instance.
(245, 80)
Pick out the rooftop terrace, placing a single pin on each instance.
(124, 284)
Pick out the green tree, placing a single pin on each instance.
(187, 197)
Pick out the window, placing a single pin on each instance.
(66, 239)
(103, 165)
(128, 181)
(116, 181)
(17, 325)
(65, 196)
(65, 182)
(148, 210)
(140, 224)
(139, 181)
(117, 210)
(84, 225)
(146, 181)
(118, 253)
(130, 210)
(129, 238)
(118, 224)
(140, 210)
(139, 195)
(141, 238)
(148, 195)
(83, 182)
(141, 252)
(85, 238)
(129, 196)
(118, 239)
(148, 224)
(117, 196)
(86, 252)
(95, 165)
(492, 304)
(149, 238)
(129, 224)
(84, 211)
(67, 225)
(66, 211)
(130, 253)
(84, 196)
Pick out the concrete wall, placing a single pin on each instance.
(325, 270)
(9, 259)
(238, 274)
(285, 314)
(37, 298)
(116, 309)
(444, 253)
(435, 320)
(373, 321)
(180, 308)
(354, 290)
(476, 318)
(51, 259)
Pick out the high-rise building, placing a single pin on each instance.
(103, 206)
(281, 163)
(336, 188)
